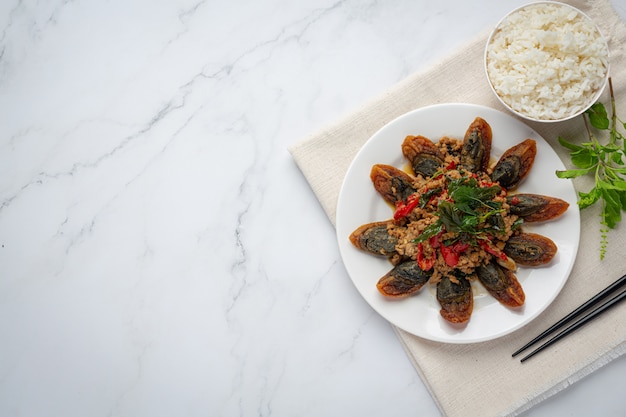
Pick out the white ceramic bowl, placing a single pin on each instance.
(544, 44)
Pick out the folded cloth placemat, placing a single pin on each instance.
(483, 379)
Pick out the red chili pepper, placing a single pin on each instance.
(432, 201)
(425, 264)
(451, 253)
(434, 241)
(451, 165)
(492, 250)
(404, 209)
(460, 247)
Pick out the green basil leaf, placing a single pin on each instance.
(584, 158)
(598, 117)
(609, 148)
(616, 157)
(573, 173)
(612, 210)
(619, 170)
(622, 199)
(430, 231)
(616, 185)
(588, 199)
(568, 145)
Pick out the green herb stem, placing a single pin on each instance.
(606, 162)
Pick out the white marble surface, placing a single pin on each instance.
(161, 254)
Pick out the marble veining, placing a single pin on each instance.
(160, 252)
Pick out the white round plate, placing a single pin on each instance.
(359, 203)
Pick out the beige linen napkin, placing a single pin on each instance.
(482, 379)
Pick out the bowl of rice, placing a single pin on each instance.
(547, 61)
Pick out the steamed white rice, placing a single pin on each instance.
(547, 61)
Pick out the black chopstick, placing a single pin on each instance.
(584, 320)
(575, 314)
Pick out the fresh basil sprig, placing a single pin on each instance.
(607, 163)
(470, 212)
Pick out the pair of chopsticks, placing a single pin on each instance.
(599, 302)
